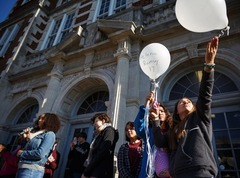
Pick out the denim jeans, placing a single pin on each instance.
(29, 173)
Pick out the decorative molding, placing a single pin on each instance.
(192, 50)
(124, 48)
(28, 84)
(103, 56)
(34, 60)
(159, 15)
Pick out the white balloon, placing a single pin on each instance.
(202, 15)
(154, 60)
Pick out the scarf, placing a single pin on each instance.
(101, 128)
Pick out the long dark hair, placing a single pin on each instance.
(178, 126)
(168, 123)
(131, 124)
(51, 122)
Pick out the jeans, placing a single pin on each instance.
(29, 173)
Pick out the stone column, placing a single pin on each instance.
(53, 88)
(121, 85)
(4, 88)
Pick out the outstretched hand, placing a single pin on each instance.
(211, 50)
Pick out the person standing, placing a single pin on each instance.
(52, 163)
(190, 139)
(9, 168)
(78, 154)
(34, 156)
(100, 158)
(147, 170)
(130, 154)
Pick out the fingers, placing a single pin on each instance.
(150, 99)
(211, 50)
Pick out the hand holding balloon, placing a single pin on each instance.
(150, 99)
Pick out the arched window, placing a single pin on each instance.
(189, 85)
(28, 114)
(94, 103)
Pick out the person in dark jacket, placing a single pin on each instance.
(78, 155)
(100, 158)
(190, 139)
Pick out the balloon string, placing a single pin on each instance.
(150, 163)
(150, 159)
(223, 30)
(155, 85)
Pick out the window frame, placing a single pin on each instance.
(7, 38)
(111, 9)
(58, 35)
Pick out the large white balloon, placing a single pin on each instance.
(154, 60)
(202, 15)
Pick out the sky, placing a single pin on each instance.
(5, 8)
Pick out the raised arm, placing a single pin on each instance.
(205, 92)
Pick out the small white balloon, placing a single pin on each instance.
(154, 60)
(202, 15)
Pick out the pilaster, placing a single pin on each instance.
(54, 87)
(121, 84)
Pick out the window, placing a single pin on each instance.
(226, 129)
(28, 115)
(189, 85)
(94, 103)
(7, 38)
(107, 8)
(58, 30)
(120, 5)
(103, 12)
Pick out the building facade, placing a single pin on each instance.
(79, 57)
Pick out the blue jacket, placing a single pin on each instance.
(37, 150)
(139, 127)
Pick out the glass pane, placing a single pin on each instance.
(219, 121)
(224, 83)
(226, 160)
(233, 119)
(222, 139)
(120, 5)
(94, 103)
(56, 26)
(235, 136)
(104, 6)
(229, 174)
(237, 155)
(28, 115)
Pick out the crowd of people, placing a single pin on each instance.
(158, 145)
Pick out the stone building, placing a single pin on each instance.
(78, 57)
